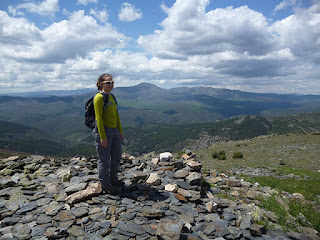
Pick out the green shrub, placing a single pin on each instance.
(222, 152)
(221, 155)
(215, 155)
(237, 155)
(179, 154)
(282, 162)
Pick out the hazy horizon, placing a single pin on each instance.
(85, 90)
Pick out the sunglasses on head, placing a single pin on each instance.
(108, 82)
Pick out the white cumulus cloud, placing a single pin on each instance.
(236, 42)
(236, 48)
(102, 16)
(17, 32)
(71, 38)
(47, 7)
(284, 4)
(189, 30)
(129, 13)
(301, 33)
(86, 2)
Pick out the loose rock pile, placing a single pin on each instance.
(164, 198)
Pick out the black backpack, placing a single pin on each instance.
(90, 118)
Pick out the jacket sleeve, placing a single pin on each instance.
(98, 110)
(119, 123)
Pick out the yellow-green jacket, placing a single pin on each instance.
(108, 117)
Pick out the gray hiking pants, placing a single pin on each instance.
(109, 157)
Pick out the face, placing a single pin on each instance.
(107, 84)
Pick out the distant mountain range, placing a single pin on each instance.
(58, 93)
(60, 114)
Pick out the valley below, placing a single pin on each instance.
(256, 160)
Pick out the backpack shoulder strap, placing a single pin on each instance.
(105, 99)
(114, 98)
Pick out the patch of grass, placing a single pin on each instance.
(7, 153)
(274, 206)
(296, 208)
(311, 214)
(225, 196)
(298, 151)
(308, 188)
(300, 172)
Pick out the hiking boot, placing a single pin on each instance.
(113, 190)
(118, 183)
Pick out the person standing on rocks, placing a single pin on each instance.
(108, 135)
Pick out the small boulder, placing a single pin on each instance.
(92, 190)
(194, 178)
(169, 230)
(171, 187)
(195, 166)
(154, 179)
(166, 156)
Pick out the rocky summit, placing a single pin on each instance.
(163, 198)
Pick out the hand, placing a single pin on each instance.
(104, 142)
(122, 138)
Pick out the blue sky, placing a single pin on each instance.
(249, 45)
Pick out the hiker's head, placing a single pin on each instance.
(105, 82)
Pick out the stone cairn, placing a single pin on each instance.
(164, 198)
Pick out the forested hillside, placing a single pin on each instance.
(155, 119)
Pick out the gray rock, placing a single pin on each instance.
(64, 215)
(27, 208)
(76, 231)
(169, 230)
(105, 224)
(83, 220)
(183, 184)
(24, 230)
(128, 216)
(79, 211)
(153, 213)
(43, 201)
(127, 201)
(53, 208)
(43, 218)
(182, 173)
(39, 229)
(75, 187)
(257, 230)
(246, 222)
(209, 229)
(235, 232)
(132, 227)
(221, 227)
(65, 224)
(10, 221)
